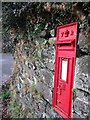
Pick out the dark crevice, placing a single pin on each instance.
(80, 53)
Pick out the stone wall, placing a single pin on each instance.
(33, 79)
(81, 103)
(82, 79)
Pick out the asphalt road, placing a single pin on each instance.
(6, 63)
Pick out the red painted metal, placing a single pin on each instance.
(64, 69)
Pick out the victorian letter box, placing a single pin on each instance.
(64, 69)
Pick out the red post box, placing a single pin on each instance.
(64, 69)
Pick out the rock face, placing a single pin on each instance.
(81, 103)
(33, 76)
(82, 76)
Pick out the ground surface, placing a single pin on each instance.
(6, 63)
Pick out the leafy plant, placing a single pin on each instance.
(74, 93)
(30, 18)
(5, 94)
(14, 109)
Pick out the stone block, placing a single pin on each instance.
(52, 40)
(82, 85)
(44, 53)
(51, 113)
(81, 74)
(44, 91)
(41, 106)
(83, 41)
(49, 52)
(82, 95)
(50, 64)
(75, 116)
(46, 76)
(81, 108)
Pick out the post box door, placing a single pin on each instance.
(64, 75)
(64, 83)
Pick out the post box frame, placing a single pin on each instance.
(71, 47)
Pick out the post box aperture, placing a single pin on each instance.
(64, 69)
(64, 66)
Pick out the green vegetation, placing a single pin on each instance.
(26, 20)
(5, 95)
(74, 93)
(5, 92)
(14, 108)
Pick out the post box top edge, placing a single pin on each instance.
(67, 25)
